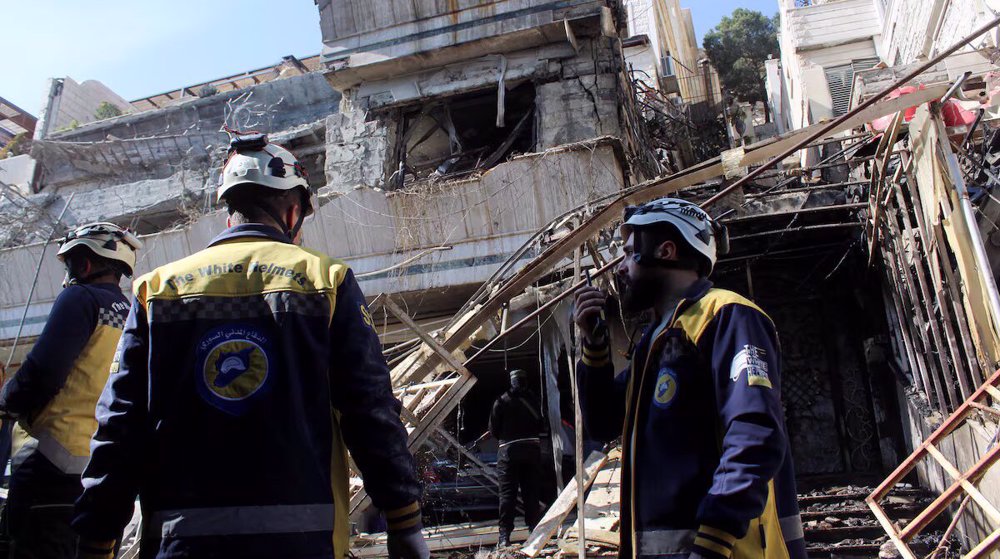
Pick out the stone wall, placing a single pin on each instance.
(356, 151)
(576, 109)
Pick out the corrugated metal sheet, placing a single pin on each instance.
(841, 78)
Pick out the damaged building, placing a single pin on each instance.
(472, 161)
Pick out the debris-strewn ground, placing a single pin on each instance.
(837, 524)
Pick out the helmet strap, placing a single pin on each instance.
(303, 202)
(70, 279)
(279, 219)
(276, 216)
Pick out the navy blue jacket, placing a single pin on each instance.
(68, 328)
(243, 373)
(706, 465)
(55, 390)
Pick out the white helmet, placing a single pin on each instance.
(253, 161)
(693, 223)
(103, 239)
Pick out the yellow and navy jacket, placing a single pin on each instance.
(706, 465)
(56, 389)
(244, 374)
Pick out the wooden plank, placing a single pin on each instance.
(986, 546)
(603, 509)
(949, 495)
(657, 188)
(581, 504)
(563, 505)
(447, 538)
(882, 154)
(890, 530)
(985, 408)
(970, 489)
(949, 425)
(993, 393)
(487, 470)
(438, 413)
(425, 385)
(930, 248)
(444, 404)
(916, 312)
(606, 538)
(924, 296)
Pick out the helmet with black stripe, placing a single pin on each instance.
(103, 239)
(695, 227)
(253, 165)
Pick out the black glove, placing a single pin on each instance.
(407, 546)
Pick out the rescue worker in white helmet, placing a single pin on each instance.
(54, 392)
(246, 372)
(707, 472)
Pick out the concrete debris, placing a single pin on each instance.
(470, 163)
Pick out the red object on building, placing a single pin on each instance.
(952, 112)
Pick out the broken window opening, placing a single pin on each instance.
(458, 135)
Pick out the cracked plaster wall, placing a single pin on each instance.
(576, 99)
(574, 110)
(169, 157)
(356, 151)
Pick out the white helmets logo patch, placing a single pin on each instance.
(234, 367)
(752, 360)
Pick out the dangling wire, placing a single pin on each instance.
(233, 132)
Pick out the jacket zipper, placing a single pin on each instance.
(634, 413)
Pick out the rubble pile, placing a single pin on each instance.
(839, 525)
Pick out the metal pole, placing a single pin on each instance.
(581, 534)
(34, 282)
(836, 122)
(548, 305)
(982, 260)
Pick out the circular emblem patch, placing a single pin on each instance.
(234, 367)
(666, 387)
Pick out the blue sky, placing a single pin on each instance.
(139, 48)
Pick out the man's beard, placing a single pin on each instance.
(637, 294)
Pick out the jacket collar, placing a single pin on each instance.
(697, 290)
(691, 295)
(251, 230)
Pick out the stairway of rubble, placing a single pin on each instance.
(839, 525)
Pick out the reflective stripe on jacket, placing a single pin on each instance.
(245, 373)
(56, 389)
(706, 465)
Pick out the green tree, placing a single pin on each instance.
(738, 47)
(106, 110)
(16, 146)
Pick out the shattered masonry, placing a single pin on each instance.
(464, 156)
